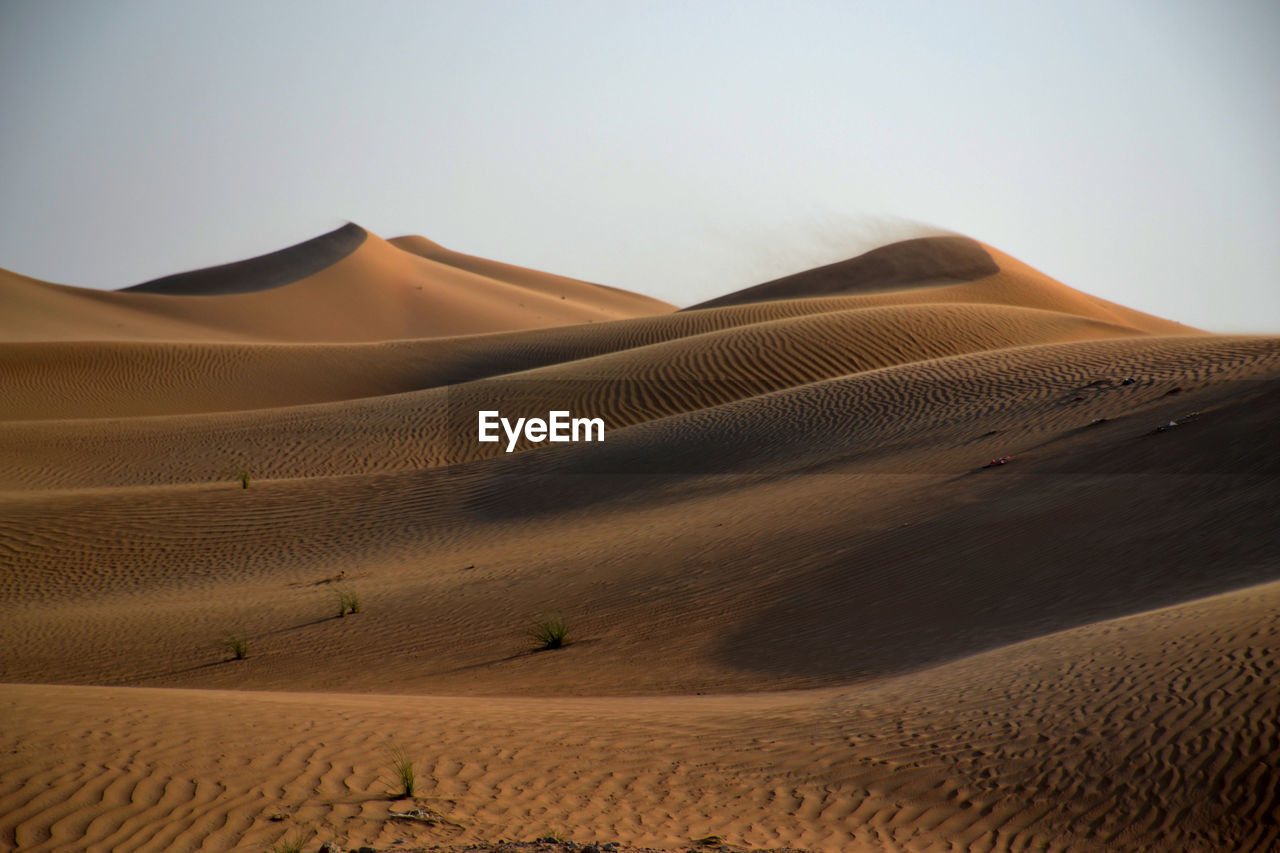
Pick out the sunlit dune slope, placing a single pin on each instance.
(375, 292)
(623, 303)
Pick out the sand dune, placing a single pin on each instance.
(375, 292)
(925, 271)
(911, 263)
(803, 611)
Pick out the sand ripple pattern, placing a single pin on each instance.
(1154, 732)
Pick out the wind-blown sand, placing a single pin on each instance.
(803, 613)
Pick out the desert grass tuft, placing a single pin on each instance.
(236, 645)
(405, 777)
(348, 602)
(291, 844)
(549, 632)
(244, 479)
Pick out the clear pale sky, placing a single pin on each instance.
(680, 149)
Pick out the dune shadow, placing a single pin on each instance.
(288, 629)
(528, 653)
(1036, 554)
(137, 679)
(263, 272)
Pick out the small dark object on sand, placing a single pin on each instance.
(1174, 390)
(1185, 419)
(1129, 380)
(995, 463)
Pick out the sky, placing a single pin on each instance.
(678, 149)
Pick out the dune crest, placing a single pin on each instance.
(264, 272)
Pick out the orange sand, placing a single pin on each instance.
(802, 612)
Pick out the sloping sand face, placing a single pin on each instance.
(918, 551)
(264, 272)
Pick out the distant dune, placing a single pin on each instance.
(345, 286)
(910, 263)
(921, 550)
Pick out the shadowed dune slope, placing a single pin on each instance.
(263, 272)
(962, 557)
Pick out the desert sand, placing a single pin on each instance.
(922, 550)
